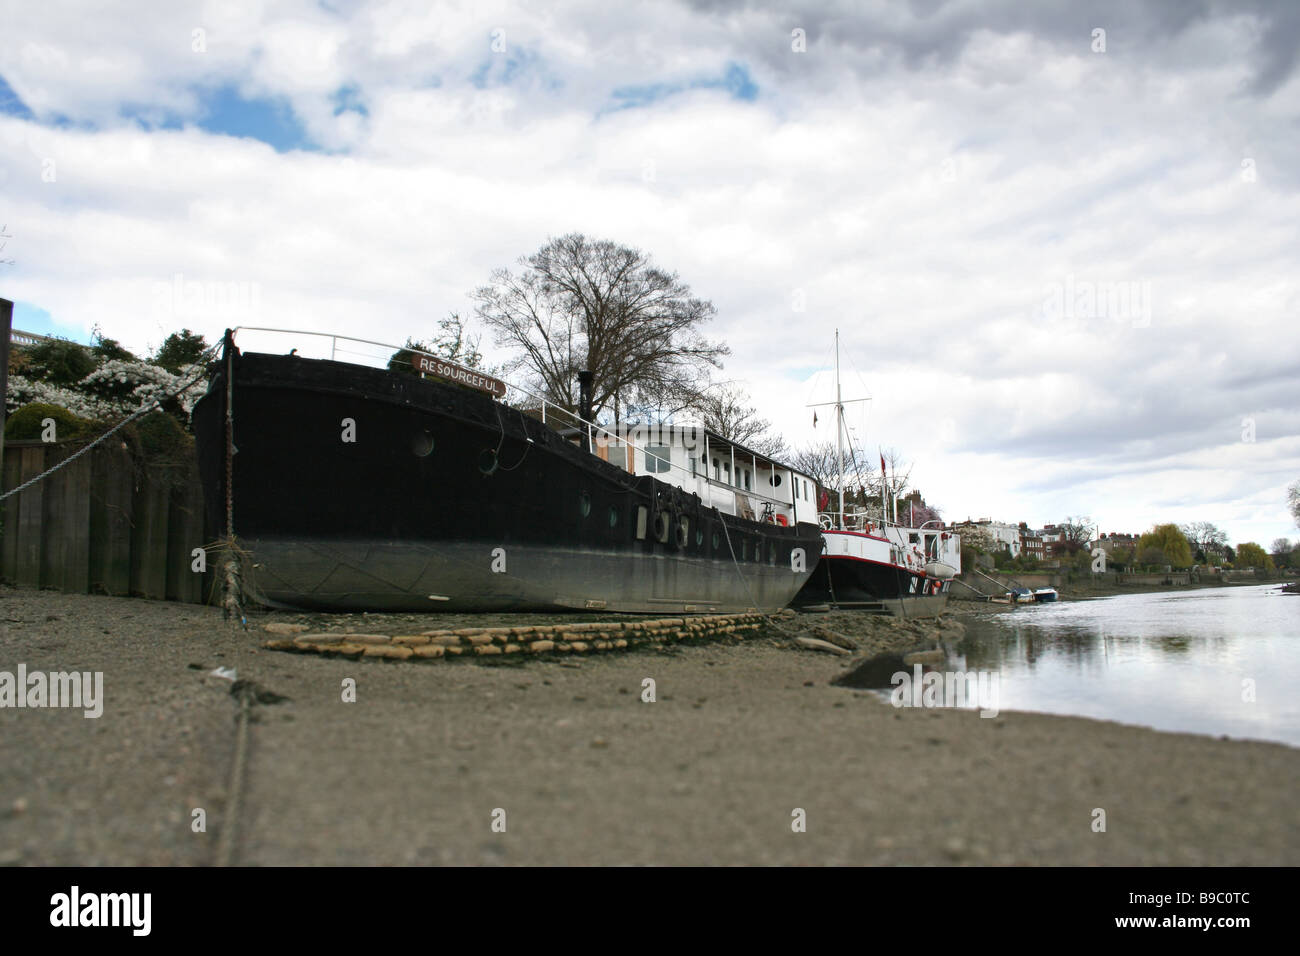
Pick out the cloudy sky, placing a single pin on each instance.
(1059, 239)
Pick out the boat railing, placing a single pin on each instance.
(596, 433)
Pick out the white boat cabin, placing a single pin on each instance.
(725, 474)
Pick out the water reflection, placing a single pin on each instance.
(1218, 661)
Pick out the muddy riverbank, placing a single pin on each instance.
(741, 738)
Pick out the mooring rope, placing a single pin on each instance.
(226, 842)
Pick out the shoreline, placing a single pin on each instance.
(1067, 592)
(741, 733)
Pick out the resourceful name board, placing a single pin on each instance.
(458, 373)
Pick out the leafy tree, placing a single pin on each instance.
(60, 362)
(105, 348)
(580, 303)
(1152, 556)
(1251, 555)
(28, 423)
(1170, 539)
(180, 349)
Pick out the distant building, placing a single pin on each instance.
(1032, 544)
(1005, 536)
(1114, 540)
(18, 339)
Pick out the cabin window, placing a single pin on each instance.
(717, 471)
(657, 458)
(776, 481)
(912, 538)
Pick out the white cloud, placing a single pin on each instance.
(924, 195)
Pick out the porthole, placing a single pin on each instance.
(584, 504)
(487, 461)
(699, 537)
(421, 444)
(715, 541)
(613, 517)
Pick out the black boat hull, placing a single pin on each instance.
(854, 583)
(360, 489)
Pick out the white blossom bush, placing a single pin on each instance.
(24, 391)
(112, 391)
(137, 383)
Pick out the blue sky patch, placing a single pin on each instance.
(10, 103)
(271, 121)
(735, 80)
(31, 318)
(347, 98)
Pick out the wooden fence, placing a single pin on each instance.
(109, 523)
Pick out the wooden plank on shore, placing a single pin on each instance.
(27, 566)
(184, 534)
(76, 504)
(113, 480)
(9, 515)
(55, 520)
(149, 536)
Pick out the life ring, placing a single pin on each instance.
(681, 533)
(781, 520)
(661, 527)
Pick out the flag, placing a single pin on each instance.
(814, 418)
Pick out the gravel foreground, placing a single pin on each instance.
(742, 736)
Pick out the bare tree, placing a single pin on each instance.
(580, 303)
(821, 461)
(4, 241)
(1077, 530)
(725, 410)
(1204, 536)
(1293, 502)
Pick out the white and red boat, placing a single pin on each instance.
(875, 564)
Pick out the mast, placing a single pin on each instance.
(839, 424)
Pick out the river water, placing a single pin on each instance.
(1173, 661)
